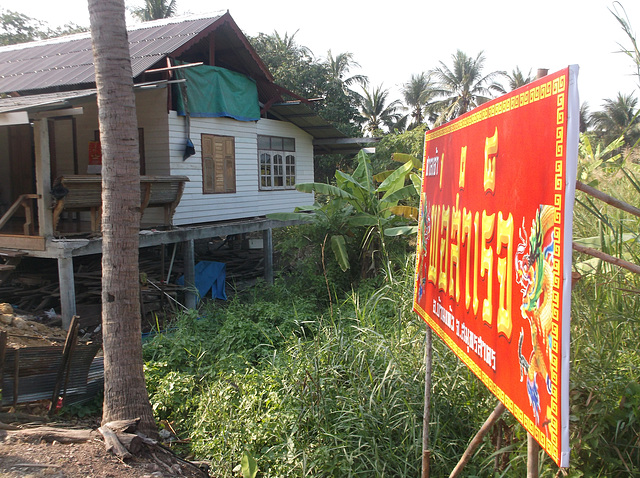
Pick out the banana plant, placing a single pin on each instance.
(363, 200)
(593, 157)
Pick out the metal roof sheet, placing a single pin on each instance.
(327, 138)
(68, 61)
(43, 101)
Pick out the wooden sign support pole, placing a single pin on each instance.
(428, 358)
(475, 442)
(532, 456)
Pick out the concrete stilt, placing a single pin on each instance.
(67, 290)
(190, 298)
(267, 245)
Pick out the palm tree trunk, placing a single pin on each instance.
(125, 393)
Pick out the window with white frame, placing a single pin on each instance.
(277, 161)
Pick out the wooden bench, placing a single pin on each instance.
(85, 194)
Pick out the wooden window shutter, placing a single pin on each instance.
(229, 165)
(207, 164)
(218, 164)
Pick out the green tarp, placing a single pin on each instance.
(214, 92)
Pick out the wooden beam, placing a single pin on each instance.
(57, 113)
(176, 67)
(13, 118)
(26, 243)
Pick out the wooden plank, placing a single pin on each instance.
(27, 243)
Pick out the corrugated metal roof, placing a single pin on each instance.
(43, 101)
(68, 61)
(327, 138)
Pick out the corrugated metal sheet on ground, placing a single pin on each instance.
(38, 371)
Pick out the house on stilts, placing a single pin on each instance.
(221, 144)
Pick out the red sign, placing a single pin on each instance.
(493, 276)
(95, 158)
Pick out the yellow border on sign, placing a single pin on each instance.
(532, 95)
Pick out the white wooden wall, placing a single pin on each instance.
(164, 143)
(248, 201)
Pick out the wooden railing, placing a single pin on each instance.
(25, 201)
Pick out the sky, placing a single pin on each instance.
(392, 41)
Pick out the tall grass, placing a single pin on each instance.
(605, 367)
(334, 388)
(335, 395)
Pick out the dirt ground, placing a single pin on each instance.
(89, 459)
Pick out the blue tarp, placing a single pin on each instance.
(210, 276)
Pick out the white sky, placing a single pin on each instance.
(391, 41)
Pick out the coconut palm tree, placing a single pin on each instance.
(375, 110)
(633, 51)
(517, 78)
(125, 393)
(618, 117)
(339, 67)
(463, 86)
(585, 117)
(417, 93)
(155, 10)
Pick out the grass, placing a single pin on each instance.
(312, 384)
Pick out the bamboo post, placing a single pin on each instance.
(475, 442)
(630, 266)
(604, 197)
(426, 453)
(532, 456)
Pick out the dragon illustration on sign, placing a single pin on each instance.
(534, 273)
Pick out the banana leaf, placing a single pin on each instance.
(380, 177)
(417, 183)
(323, 188)
(340, 250)
(400, 194)
(401, 231)
(357, 190)
(404, 158)
(396, 180)
(364, 171)
(405, 211)
(363, 219)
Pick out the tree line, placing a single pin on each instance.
(356, 107)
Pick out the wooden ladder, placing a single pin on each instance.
(9, 260)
